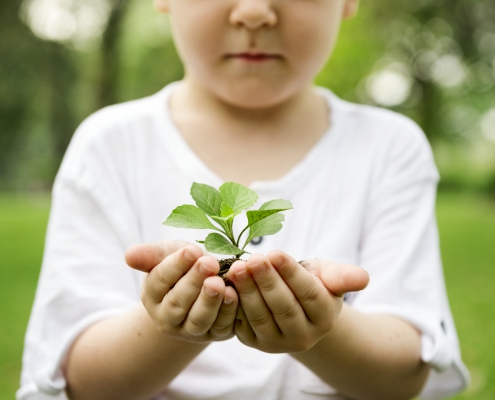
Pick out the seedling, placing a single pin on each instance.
(216, 210)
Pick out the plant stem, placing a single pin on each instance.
(231, 232)
(226, 230)
(221, 231)
(239, 238)
(226, 236)
(245, 244)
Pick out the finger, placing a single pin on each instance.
(254, 306)
(340, 278)
(279, 298)
(224, 324)
(242, 329)
(310, 293)
(204, 311)
(176, 305)
(167, 273)
(145, 257)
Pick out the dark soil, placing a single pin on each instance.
(225, 264)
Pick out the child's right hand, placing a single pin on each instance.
(182, 294)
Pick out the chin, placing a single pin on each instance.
(253, 96)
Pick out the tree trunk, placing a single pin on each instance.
(107, 87)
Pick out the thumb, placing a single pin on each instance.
(340, 278)
(145, 257)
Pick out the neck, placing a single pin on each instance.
(227, 138)
(280, 115)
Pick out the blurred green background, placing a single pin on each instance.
(433, 60)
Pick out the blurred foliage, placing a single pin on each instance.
(48, 87)
(449, 48)
(445, 51)
(433, 60)
(33, 76)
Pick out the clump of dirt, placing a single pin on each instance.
(225, 264)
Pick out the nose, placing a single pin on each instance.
(253, 14)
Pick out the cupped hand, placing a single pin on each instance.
(182, 294)
(286, 307)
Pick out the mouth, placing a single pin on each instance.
(254, 57)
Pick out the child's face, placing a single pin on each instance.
(255, 53)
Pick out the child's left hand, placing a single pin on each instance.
(288, 308)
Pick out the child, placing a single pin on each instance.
(362, 181)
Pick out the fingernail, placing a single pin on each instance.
(277, 261)
(258, 268)
(228, 300)
(211, 292)
(241, 275)
(189, 255)
(204, 269)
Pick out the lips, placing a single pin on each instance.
(255, 57)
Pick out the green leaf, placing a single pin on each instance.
(237, 197)
(277, 204)
(218, 244)
(200, 241)
(189, 216)
(267, 226)
(226, 211)
(221, 220)
(267, 209)
(257, 215)
(207, 198)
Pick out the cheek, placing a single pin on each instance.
(311, 33)
(198, 42)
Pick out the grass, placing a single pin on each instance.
(22, 231)
(467, 228)
(467, 231)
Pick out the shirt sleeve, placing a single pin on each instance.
(400, 250)
(84, 277)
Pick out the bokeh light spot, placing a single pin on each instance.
(448, 71)
(388, 87)
(79, 24)
(488, 125)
